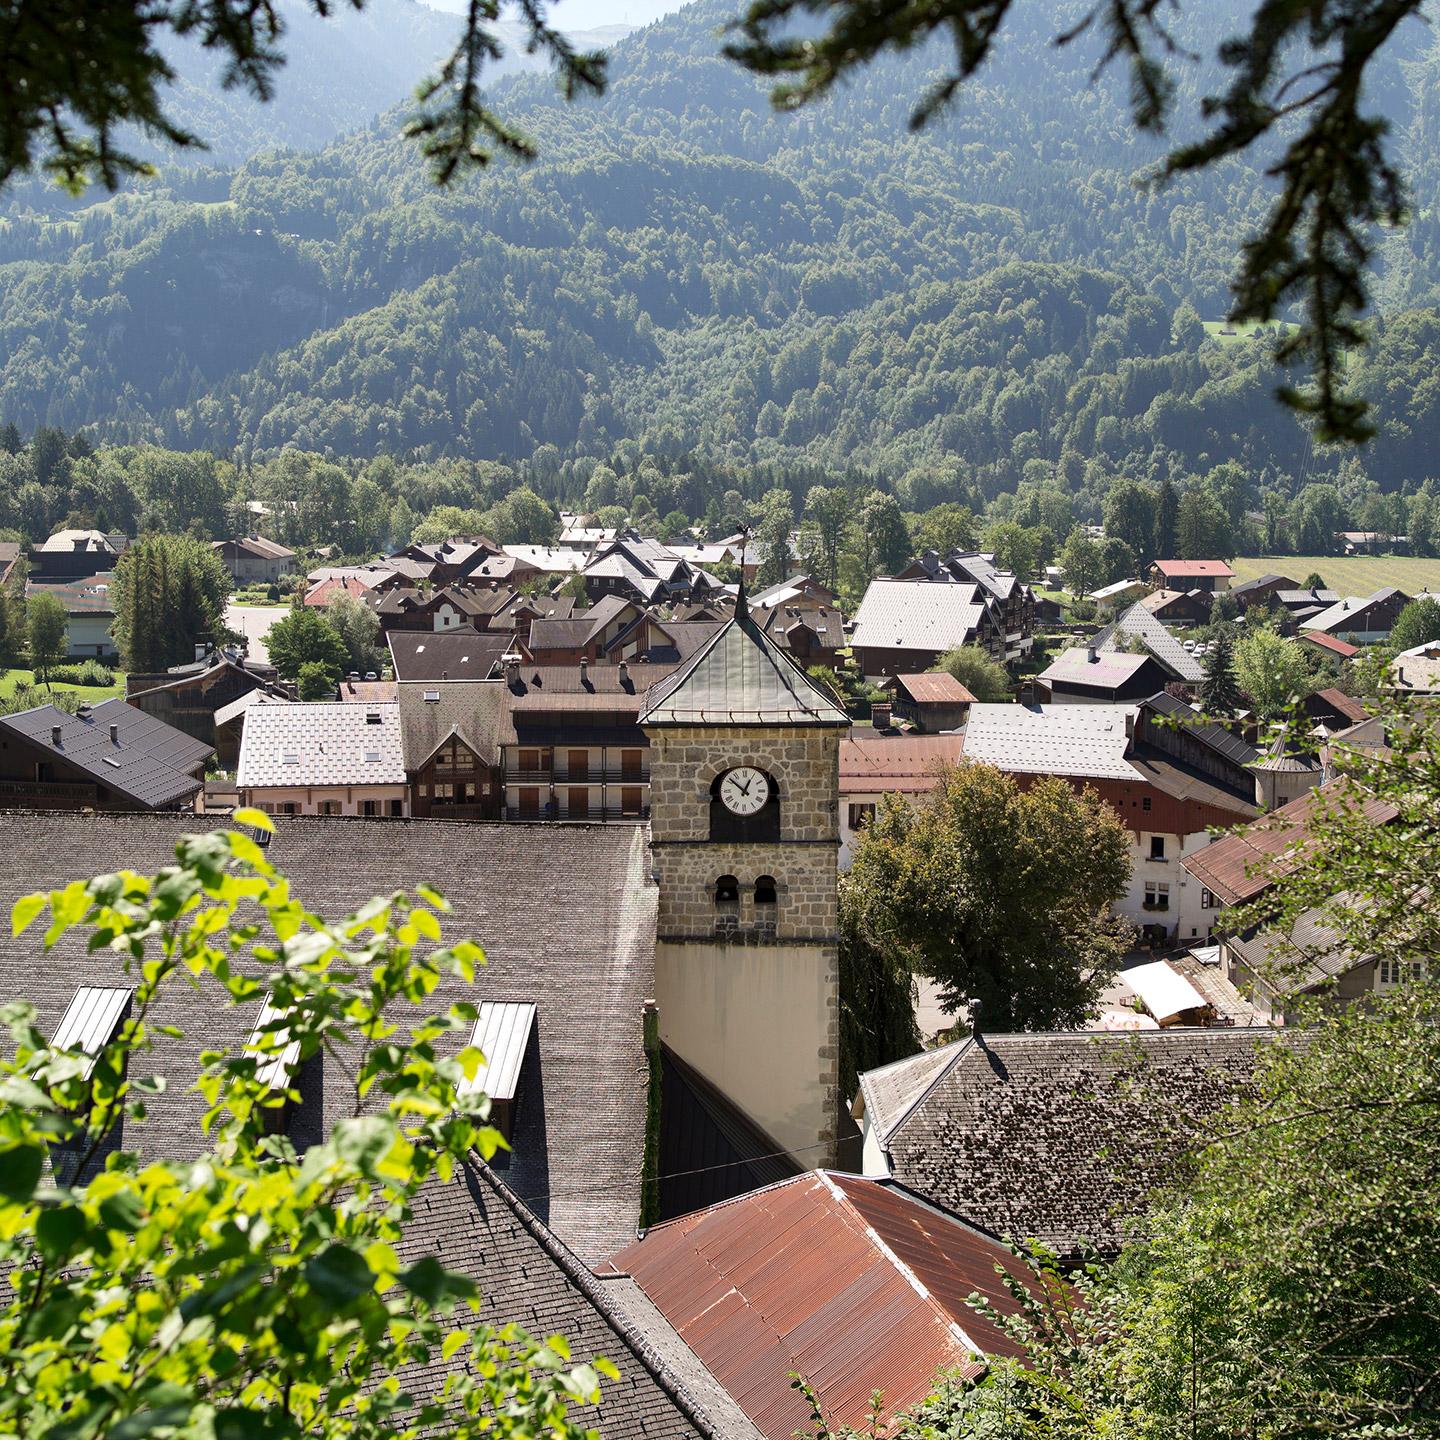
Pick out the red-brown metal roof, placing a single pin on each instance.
(884, 763)
(1342, 648)
(934, 686)
(1237, 867)
(852, 1283)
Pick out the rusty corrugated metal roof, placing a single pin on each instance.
(853, 1283)
(1237, 867)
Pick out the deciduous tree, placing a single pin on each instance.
(978, 671)
(305, 637)
(48, 627)
(998, 894)
(1273, 671)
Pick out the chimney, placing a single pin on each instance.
(82, 711)
(624, 671)
(1091, 656)
(512, 669)
(584, 669)
(1129, 727)
(114, 734)
(54, 734)
(975, 1019)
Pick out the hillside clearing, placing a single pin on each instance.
(1349, 574)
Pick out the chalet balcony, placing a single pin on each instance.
(591, 775)
(46, 795)
(595, 814)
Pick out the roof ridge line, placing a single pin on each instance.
(963, 1047)
(589, 1285)
(914, 1280)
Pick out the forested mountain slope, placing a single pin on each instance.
(684, 271)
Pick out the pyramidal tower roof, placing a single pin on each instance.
(739, 677)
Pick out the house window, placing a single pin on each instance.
(1157, 847)
(1145, 803)
(1157, 895)
(1208, 900)
(370, 808)
(861, 815)
(1389, 973)
(289, 807)
(765, 890)
(397, 808)
(329, 807)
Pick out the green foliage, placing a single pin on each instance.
(1219, 691)
(1000, 895)
(314, 681)
(983, 676)
(255, 1291)
(1338, 179)
(305, 637)
(169, 593)
(87, 672)
(48, 628)
(358, 627)
(1417, 624)
(1082, 561)
(1272, 670)
(877, 997)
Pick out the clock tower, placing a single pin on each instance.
(744, 824)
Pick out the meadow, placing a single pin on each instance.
(1349, 574)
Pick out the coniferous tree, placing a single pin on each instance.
(169, 593)
(1167, 508)
(1219, 690)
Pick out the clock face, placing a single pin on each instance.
(744, 790)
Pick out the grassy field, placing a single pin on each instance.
(1239, 334)
(93, 693)
(1352, 575)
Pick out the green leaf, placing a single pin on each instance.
(59, 1231)
(146, 1422)
(122, 1211)
(339, 1275)
(25, 909)
(433, 1283)
(256, 820)
(20, 1170)
(364, 1141)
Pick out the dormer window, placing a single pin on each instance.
(91, 1021)
(279, 1056)
(502, 1035)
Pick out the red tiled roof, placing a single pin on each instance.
(1239, 866)
(899, 763)
(319, 594)
(1342, 648)
(851, 1283)
(1179, 568)
(935, 687)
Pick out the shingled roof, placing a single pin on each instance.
(587, 963)
(740, 677)
(527, 1276)
(148, 761)
(1055, 1137)
(1239, 866)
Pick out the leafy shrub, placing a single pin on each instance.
(87, 672)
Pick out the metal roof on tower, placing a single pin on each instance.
(740, 677)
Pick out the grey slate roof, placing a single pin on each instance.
(455, 655)
(330, 743)
(151, 764)
(1179, 714)
(1087, 740)
(1138, 622)
(471, 710)
(1108, 670)
(917, 615)
(1061, 1137)
(739, 677)
(566, 914)
(527, 1275)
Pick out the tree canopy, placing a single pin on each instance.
(1001, 895)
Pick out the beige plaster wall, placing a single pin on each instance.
(760, 1022)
